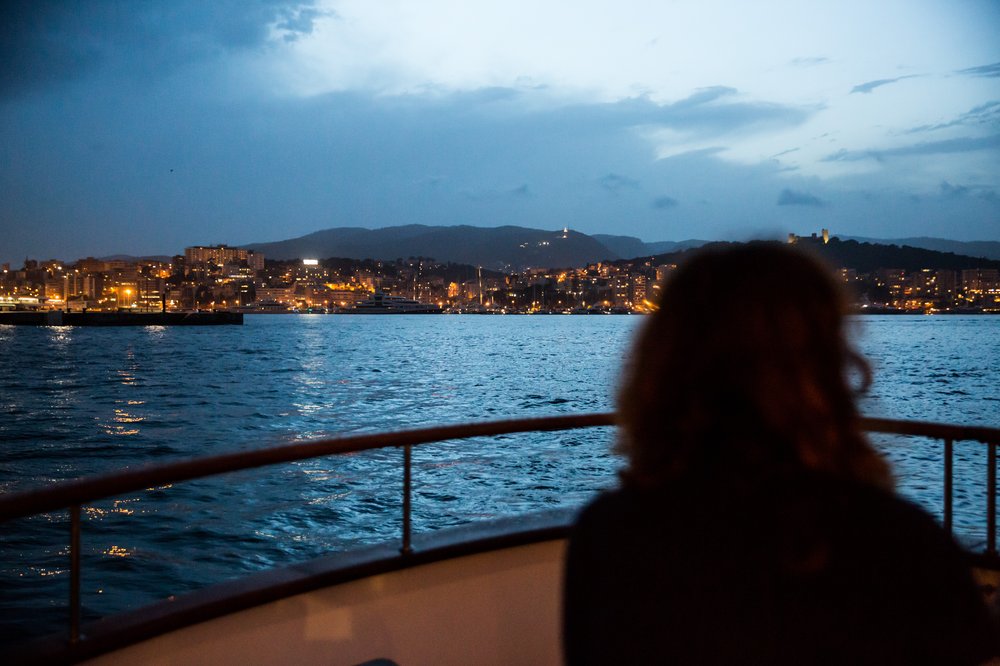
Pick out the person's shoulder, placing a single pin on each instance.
(887, 508)
(618, 506)
(896, 530)
(606, 503)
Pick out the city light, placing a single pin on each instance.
(240, 280)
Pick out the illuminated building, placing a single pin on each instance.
(220, 255)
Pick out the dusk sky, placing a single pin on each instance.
(144, 127)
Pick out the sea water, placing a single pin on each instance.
(84, 401)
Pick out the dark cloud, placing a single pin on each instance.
(615, 183)
(958, 191)
(268, 168)
(950, 190)
(795, 198)
(709, 111)
(661, 203)
(959, 145)
(872, 85)
(519, 192)
(704, 96)
(486, 95)
(48, 43)
(784, 152)
(809, 61)
(300, 20)
(984, 114)
(992, 70)
(34, 49)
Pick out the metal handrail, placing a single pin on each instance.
(83, 491)
(74, 494)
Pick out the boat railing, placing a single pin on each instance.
(77, 493)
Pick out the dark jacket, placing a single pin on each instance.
(802, 569)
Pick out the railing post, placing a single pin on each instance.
(74, 574)
(991, 499)
(948, 459)
(407, 487)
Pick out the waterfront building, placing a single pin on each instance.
(981, 287)
(640, 291)
(52, 289)
(220, 255)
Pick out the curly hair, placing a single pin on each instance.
(744, 371)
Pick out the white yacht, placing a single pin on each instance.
(383, 303)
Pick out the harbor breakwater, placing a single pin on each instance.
(125, 318)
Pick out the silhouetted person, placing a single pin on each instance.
(755, 524)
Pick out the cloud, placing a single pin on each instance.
(959, 145)
(704, 96)
(784, 152)
(490, 94)
(809, 61)
(614, 183)
(274, 167)
(712, 111)
(958, 191)
(795, 198)
(872, 85)
(298, 21)
(487, 195)
(49, 43)
(984, 114)
(992, 70)
(950, 190)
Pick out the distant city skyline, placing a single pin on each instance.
(132, 128)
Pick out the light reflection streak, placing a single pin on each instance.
(60, 336)
(121, 416)
(45, 572)
(93, 512)
(120, 431)
(156, 332)
(328, 498)
(118, 551)
(127, 374)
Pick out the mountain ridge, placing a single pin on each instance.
(514, 247)
(503, 247)
(984, 249)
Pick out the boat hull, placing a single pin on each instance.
(499, 607)
(484, 593)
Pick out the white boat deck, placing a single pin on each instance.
(498, 607)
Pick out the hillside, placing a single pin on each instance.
(515, 248)
(505, 247)
(630, 247)
(868, 257)
(985, 249)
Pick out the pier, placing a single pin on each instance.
(60, 318)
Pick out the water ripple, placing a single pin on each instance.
(93, 401)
